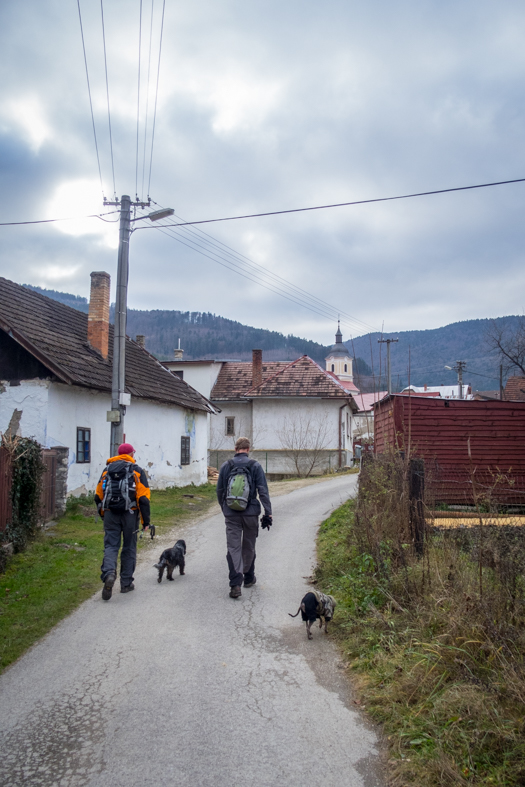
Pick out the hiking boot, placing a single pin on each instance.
(250, 583)
(127, 588)
(107, 590)
(235, 592)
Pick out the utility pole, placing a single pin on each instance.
(388, 342)
(119, 398)
(459, 368)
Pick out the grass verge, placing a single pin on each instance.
(450, 697)
(61, 568)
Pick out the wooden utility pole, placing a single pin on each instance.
(119, 398)
(388, 342)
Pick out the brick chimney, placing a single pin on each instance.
(98, 317)
(257, 377)
(178, 353)
(140, 340)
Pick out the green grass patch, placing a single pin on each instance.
(61, 568)
(435, 667)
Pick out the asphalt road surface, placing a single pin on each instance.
(177, 684)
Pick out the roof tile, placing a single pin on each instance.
(57, 335)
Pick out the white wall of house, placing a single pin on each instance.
(200, 375)
(269, 424)
(52, 412)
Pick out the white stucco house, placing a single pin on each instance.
(55, 386)
(298, 416)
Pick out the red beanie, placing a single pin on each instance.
(126, 448)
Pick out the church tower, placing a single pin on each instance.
(338, 359)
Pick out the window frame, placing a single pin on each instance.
(229, 420)
(185, 450)
(82, 430)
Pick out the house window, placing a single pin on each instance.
(346, 367)
(179, 374)
(333, 368)
(230, 426)
(83, 445)
(184, 450)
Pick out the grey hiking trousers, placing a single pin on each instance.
(120, 527)
(241, 535)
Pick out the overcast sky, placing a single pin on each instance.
(268, 106)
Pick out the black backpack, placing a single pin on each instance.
(239, 485)
(120, 490)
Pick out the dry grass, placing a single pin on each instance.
(440, 664)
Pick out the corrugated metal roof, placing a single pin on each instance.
(56, 334)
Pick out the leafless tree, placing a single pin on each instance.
(304, 437)
(509, 343)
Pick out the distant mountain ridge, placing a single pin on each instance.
(206, 335)
(202, 334)
(427, 353)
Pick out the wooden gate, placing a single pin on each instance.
(5, 488)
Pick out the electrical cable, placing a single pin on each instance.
(68, 218)
(138, 106)
(90, 101)
(147, 97)
(241, 260)
(107, 94)
(156, 96)
(290, 296)
(346, 204)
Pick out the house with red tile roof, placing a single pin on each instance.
(297, 415)
(55, 386)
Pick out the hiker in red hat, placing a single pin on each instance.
(122, 496)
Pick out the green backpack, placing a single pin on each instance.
(239, 485)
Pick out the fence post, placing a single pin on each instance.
(416, 490)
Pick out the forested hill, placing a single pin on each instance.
(432, 350)
(205, 335)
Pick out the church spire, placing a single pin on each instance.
(339, 335)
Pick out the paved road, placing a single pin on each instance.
(179, 684)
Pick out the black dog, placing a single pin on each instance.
(170, 559)
(316, 605)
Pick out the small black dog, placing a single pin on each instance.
(170, 559)
(316, 605)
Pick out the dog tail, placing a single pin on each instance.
(294, 616)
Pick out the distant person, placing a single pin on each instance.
(240, 480)
(122, 497)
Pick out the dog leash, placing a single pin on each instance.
(152, 530)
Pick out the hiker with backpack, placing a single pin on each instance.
(240, 480)
(122, 498)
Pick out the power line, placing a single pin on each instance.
(107, 94)
(156, 96)
(68, 218)
(147, 98)
(288, 294)
(346, 204)
(138, 105)
(90, 101)
(239, 259)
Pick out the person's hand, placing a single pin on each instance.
(266, 521)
